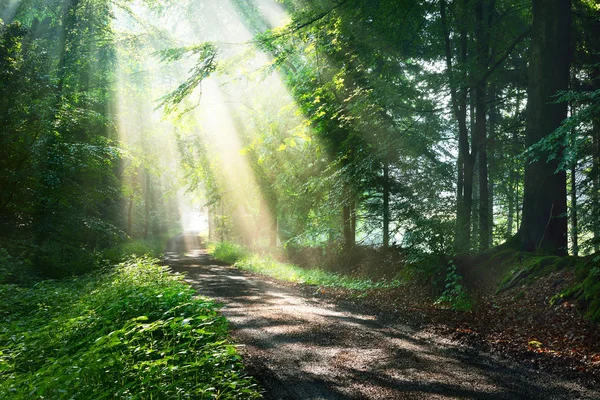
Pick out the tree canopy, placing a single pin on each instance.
(432, 126)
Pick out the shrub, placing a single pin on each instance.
(15, 270)
(135, 331)
(455, 295)
(134, 247)
(227, 252)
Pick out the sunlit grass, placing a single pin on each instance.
(265, 264)
(134, 332)
(135, 247)
(227, 252)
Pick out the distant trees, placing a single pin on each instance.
(58, 181)
(62, 183)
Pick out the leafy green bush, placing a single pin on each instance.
(135, 247)
(133, 332)
(15, 270)
(227, 252)
(455, 295)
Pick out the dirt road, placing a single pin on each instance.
(300, 347)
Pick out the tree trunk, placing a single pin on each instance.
(458, 96)
(130, 217)
(574, 227)
(273, 231)
(482, 46)
(349, 219)
(147, 207)
(491, 150)
(386, 205)
(211, 223)
(596, 182)
(544, 225)
(347, 226)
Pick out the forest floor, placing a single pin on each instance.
(304, 342)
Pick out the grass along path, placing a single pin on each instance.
(269, 266)
(134, 331)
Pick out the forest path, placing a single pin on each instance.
(300, 347)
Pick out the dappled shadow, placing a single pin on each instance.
(301, 347)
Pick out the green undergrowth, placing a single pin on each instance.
(455, 296)
(152, 247)
(134, 332)
(16, 269)
(227, 252)
(586, 292)
(267, 265)
(525, 268)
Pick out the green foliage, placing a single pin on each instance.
(267, 265)
(135, 331)
(586, 292)
(14, 269)
(58, 189)
(206, 64)
(455, 295)
(134, 247)
(227, 252)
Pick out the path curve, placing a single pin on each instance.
(300, 347)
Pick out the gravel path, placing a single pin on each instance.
(300, 347)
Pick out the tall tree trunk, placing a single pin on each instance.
(511, 210)
(596, 182)
(458, 96)
(147, 206)
(514, 175)
(349, 218)
(573, 192)
(347, 226)
(211, 223)
(574, 227)
(273, 230)
(491, 149)
(544, 225)
(386, 205)
(221, 221)
(595, 196)
(482, 60)
(130, 217)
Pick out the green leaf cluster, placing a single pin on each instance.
(135, 331)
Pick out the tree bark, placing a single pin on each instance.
(544, 225)
(596, 182)
(349, 218)
(211, 223)
(482, 46)
(458, 96)
(273, 230)
(574, 226)
(130, 217)
(147, 206)
(386, 205)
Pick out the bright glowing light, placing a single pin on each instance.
(218, 120)
(9, 11)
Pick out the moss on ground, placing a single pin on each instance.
(525, 268)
